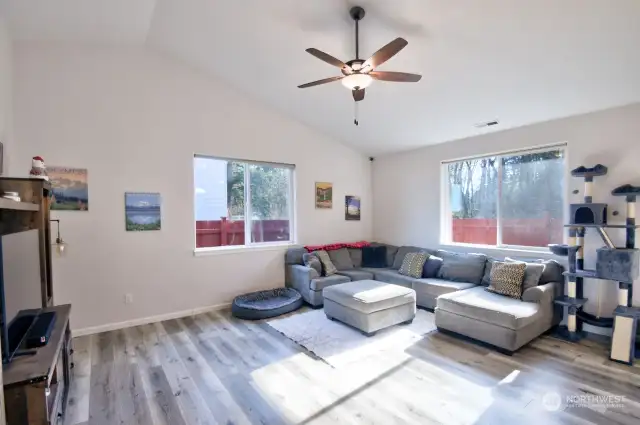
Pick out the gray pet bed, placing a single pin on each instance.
(265, 304)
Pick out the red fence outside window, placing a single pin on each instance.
(523, 232)
(225, 232)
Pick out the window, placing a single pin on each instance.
(242, 202)
(509, 200)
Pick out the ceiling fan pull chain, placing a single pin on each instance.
(355, 113)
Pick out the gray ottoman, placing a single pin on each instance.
(369, 305)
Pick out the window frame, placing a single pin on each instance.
(249, 246)
(446, 219)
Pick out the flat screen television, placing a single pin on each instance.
(20, 288)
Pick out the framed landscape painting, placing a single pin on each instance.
(70, 187)
(352, 207)
(324, 195)
(142, 211)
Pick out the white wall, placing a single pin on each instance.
(6, 96)
(406, 186)
(135, 119)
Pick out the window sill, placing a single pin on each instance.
(225, 250)
(540, 252)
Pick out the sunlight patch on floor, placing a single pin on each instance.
(397, 383)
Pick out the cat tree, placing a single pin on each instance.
(612, 263)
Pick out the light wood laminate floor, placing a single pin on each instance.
(214, 369)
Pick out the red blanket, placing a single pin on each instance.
(334, 246)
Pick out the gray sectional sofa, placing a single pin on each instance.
(455, 292)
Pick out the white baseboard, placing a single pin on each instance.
(146, 320)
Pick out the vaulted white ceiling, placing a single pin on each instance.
(518, 61)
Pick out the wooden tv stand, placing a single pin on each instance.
(36, 386)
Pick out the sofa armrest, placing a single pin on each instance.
(301, 276)
(542, 294)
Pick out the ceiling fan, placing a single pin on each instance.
(358, 74)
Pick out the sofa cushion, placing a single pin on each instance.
(431, 266)
(328, 268)
(507, 278)
(341, 258)
(294, 255)
(437, 287)
(312, 261)
(356, 256)
(532, 273)
(374, 256)
(461, 267)
(479, 304)
(413, 264)
(318, 284)
(373, 270)
(392, 276)
(392, 250)
(403, 251)
(368, 296)
(356, 274)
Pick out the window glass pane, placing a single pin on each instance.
(531, 199)
(473, 187)
(270, 203)
(219, 202)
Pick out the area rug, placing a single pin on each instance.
(338, 344)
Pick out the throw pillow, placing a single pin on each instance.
(341, 258)
(391, 252)
(413, 263)
(431, 266)
(459, 267)
(552, 271)
(532, 273)
(486, 278)
(374, 256)
(310, 260)
(402, 252)
(506, 279)
(328, 268)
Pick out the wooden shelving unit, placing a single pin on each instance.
(31, 213)
(36, 386)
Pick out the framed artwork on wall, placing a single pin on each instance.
(324, 195)
(352, 208)
(142, 211)
(70, 187)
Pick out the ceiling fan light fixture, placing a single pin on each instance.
(357, 80)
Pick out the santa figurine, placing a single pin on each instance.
(38, 170)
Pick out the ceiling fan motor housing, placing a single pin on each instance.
(356, 13)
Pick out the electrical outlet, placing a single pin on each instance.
(128, 298)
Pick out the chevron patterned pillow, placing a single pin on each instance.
(507, 278)
(413, 263)
(328, 269)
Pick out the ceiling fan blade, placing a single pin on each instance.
(317, 83)
(327, 58)
(386, 53)
(401, 77)
(358, 95)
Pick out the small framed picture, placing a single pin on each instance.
(142, 211)
(352, 208)
(324, 195)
